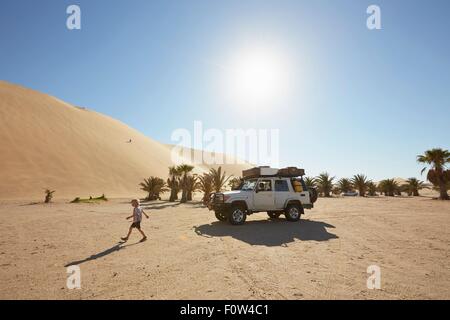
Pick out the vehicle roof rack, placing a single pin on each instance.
(288, 172)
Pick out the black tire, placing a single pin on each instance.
(237, 215)
(221, 216)
(273, 214)
(313, 195)
(293, 212)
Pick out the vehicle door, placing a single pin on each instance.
(263, 198)
(282, 192)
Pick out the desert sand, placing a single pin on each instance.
(189, 255)
(48, 143)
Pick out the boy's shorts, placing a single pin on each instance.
(136, 225)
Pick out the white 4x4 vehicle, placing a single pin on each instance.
(265, 190)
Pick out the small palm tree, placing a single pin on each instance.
(48, 195)
(174, 187)
(389, 187)
(310, 182)
(205, 184)
(371, 189)
(173, 182)
(413, 186)
(360, 182)
(325, 184)
(344, 185)
(153, 186)
(219, 179)
(185, 170)
(437, 159)
(191, 186)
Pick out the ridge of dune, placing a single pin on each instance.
(48, 143)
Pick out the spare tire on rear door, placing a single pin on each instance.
(312, 194)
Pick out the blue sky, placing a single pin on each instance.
(360, 101)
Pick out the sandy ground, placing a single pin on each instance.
(191, 256)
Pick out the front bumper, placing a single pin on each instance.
(216, 202)
(219, 206)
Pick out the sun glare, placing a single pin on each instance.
(257, 77)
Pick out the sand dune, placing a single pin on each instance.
(48, 143)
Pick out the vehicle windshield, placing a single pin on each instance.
(249, 185)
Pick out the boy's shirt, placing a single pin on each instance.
(137, 214)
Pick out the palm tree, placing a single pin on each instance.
(235, 183)
(154, 186)
(360, 182)
(371, 189)
(205, 184)
(437, 159)
(325, 184)
(310, 182)
(413, 186)
(174, 187)
(173, 182)
(437, 189)
(344, 185)
(184, 170)
(389, 187)
(191, 186)
(219, 179)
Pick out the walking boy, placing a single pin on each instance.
(137, 218)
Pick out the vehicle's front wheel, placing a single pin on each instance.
(293, 212)
(220, 215)
(237, 215)
(273, 214)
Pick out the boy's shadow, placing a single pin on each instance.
(119, 246)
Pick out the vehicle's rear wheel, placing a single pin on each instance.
(273, 214)
(237, 215)
(293, 212)
(221, 216)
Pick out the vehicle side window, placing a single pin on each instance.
(281, 186)
(248, 185)
(265, 185)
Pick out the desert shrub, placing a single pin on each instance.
(48, 195)
(90, 200)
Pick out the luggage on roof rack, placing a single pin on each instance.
(291, 172)
(257, 172)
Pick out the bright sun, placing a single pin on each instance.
(257, 77)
